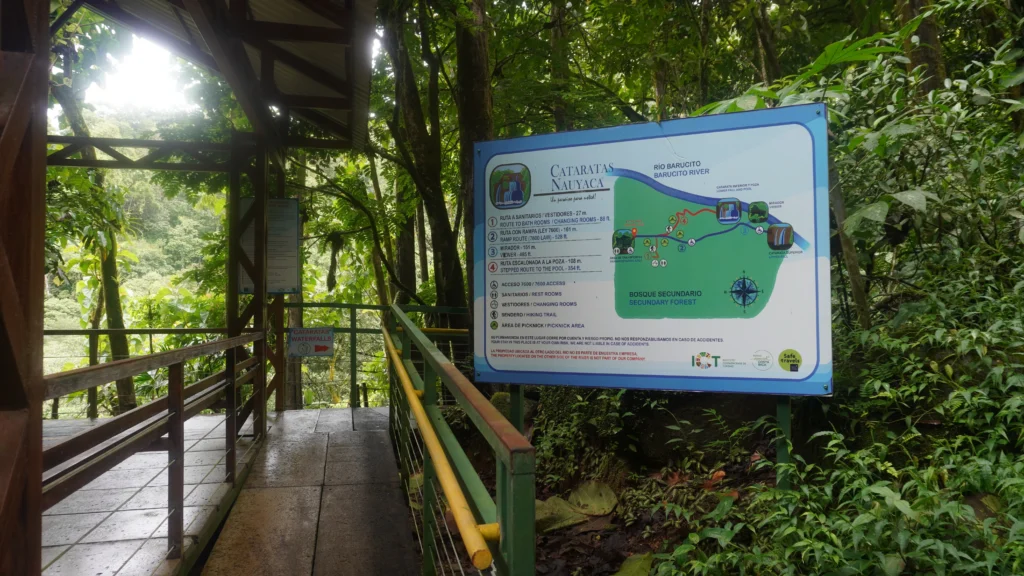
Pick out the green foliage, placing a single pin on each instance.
(578, 433)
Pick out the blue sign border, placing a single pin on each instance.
(811, 116)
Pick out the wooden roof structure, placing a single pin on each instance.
(309, 58)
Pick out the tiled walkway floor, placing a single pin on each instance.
(117, 524)
(323, 498)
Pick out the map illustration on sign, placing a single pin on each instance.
(688, 235)
(690, 254)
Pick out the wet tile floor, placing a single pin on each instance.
(323, 498)
(117, 523)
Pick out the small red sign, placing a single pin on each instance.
(319, 348)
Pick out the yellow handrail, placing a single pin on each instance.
(471, 532)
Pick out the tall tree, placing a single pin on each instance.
(771, 70)
(927, 52)
(405, 245)
(417, 136)
(105, 238)
(474, 105)
(421, 243)
(561, 108)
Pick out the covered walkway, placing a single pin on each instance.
(117, 524)
(324, 497)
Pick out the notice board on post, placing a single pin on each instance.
(687, 255)
(310, 342)
(283, 230)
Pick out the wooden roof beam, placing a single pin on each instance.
(323, 122)
(304, 67)
(233, 62)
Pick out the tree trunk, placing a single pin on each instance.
(476, 123)
(92, 411)
(108, 256)
(405, 248)
(421, 243)
(702, 65)
(660, 87)
(860, 298)
(771, 70)
(562, 110)
(1016, 8)
(383, 296)
(378, 279)
(928, 52)
(379, 196)
(115, 321)
(423, 149)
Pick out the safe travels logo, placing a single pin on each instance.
(510, 186)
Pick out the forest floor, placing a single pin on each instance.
(598, 545)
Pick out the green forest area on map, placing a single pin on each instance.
(681, 259)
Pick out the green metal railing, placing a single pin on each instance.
(441, 482)
(352, 330)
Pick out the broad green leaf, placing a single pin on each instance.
(893, 565)
(555, 513)
(904, 506)
(723, 535)
(916, 199)
(593, 498)
(747, 102)
(722, 509)
(1013, 78)
(636, 565)
(876, 211)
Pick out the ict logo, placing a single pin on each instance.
(704, 360)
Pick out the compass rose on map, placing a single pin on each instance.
(744, 291)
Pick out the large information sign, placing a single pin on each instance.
(687, 255)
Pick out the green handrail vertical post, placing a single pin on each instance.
(429, 474)
(353, 394)
(784, 417)
(429, 521)
(517, 409)
(502, 504)
(518, 539)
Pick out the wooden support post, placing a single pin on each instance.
(259, 391)
(260, 184)
(277, 318)
(234, 234)
(24, 72)
(92, 411)
(176, 460)
(230, 415)
(353, 381)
